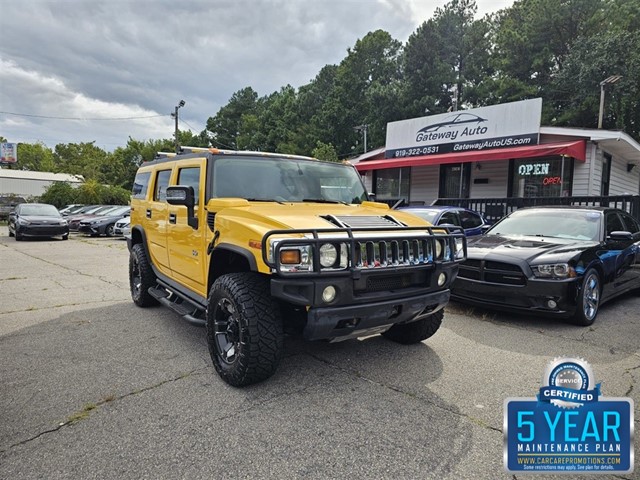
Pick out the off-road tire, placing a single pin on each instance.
(141, 277)
(244, 328)
(415, 332)
(588, 303)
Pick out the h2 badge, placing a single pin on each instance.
(569, 427)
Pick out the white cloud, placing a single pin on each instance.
(128, 58)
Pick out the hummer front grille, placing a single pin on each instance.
(362, 249)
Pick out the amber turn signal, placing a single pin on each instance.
(290, 257)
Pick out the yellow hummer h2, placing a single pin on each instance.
(254, 245)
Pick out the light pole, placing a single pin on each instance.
(607, 81)
(175, 115)
(363, 128)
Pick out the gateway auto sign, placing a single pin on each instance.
(498, 126)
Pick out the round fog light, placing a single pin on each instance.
(442, 279)
(552, 304)
(329, 294)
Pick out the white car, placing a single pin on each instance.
(122, 227)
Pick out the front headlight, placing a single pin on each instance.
(328, 255)
(22, 221)
(554, 271)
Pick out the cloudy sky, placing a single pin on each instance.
(80, 70)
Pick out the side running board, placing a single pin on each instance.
(180, 305)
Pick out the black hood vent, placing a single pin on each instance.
(362, 221)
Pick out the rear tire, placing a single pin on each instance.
(244, 329)
(589, 299)
(415, 332)
(141, 277)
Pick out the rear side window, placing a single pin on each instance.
(470, 220)
(162, 182)
(140, 185)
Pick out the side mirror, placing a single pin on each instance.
(183, 195)
(620, 236)
(484, 229)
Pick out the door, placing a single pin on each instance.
(455, 180)
(625, 253)
(155, 216)
(186, 244)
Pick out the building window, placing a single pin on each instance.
(541, 177)
(392, 184)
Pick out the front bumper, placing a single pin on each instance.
(359, 320)
(532, 298)
(366, 302)
(42, 230)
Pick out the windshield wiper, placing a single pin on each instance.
(263, 200)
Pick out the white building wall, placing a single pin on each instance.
(497, 174)
(623, 182)
(587, 174)
(23, 187)
(424, 184)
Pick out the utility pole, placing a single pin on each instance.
(363, 129)
(607, 81)
(175, 116)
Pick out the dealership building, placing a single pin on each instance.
(499, 158)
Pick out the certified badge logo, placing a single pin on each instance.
(568, 382)
(569, 427)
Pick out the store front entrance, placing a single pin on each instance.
(455, 180)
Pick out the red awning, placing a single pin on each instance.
(576, 149)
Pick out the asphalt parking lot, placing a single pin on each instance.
(93, 387)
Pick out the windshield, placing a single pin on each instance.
(561, 223)
(44, 210)
(428, 215)
(286, 180)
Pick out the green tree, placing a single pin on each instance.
(36, 157)
(60, 194)
(446, 60)
(224, 128)
(325, 151)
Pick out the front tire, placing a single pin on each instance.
(109, 231)
(589, 299)
(244, 329)
(141, 277)
(415, 332)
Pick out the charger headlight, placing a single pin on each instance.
(553, 270)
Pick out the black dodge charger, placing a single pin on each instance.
(556, 261)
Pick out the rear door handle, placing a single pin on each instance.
(148, 213)
(172, 218)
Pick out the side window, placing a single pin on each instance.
(190, 177)
(614, 224)
(469, 220)
(162, 182)
(450, 218)
(140, 185)
(631, 223)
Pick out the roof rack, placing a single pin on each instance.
(217, 151)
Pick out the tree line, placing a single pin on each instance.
(559, 50)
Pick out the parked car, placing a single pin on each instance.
(472, 222)
(103, 224)
(123, 227)
(71, 209)
(562, 262)
(74, 220)
(37, 220)
(8, 203)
